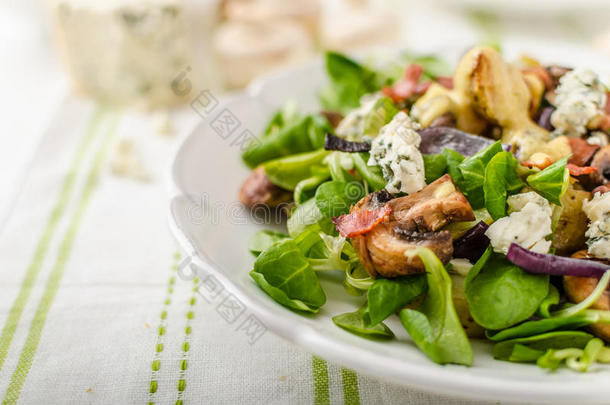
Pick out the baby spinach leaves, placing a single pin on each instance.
(370, 174)
(287, 172)
(305, 135)
(261, 240)
(501, 180)
(471, 176)
(355, 322)
(387, 296)
(284, 273)
(349, 80)
(552, 182)
(334, 198)
(435, 326)
(500, 294)
(435, 165)
(513, 350)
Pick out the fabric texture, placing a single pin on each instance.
(91, 306)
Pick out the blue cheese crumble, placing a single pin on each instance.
(598, 212)
(352, 126)
(528, 225)
(396, 151)
(580, 98)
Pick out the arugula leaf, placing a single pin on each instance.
(435, 326)
(334, 198)
(387, 296)
(349, 80)
(500, 294)
(552, 182)
(552, 340)
(284, 273)
(382, 113)
(435, 165)
(305, 135)
(261, 240)
(472, 174)
(354, 322)
(501, 180)
(288, 172)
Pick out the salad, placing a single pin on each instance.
(472, 204)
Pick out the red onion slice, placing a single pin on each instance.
(554, 265)
(472, 244)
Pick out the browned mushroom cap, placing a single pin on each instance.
(579, 288)
(601, 161)
(412, 223)
(258, 190)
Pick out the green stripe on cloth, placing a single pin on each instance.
(153, 386)
(320, 381)
(190, 314)
(31, 274)
(351, 394)
(33, 339)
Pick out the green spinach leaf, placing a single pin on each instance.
(435, 326)
(501, 180)
(305, 135)
(284, 273)
(289, 171)
(370, 174)
(552, 340)
(261, 240)
(500, 294)
(453, 161)
(435, 165)
(532, 328)
(382, 113)
(354, 322)
(387, 296)
(552, 182)
(334, 198)
(287, 115)
(551, 299)
(308, 214)
(472, 174)
(349, 80)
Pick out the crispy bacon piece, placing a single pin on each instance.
(541, 161)
(580, 170)
(604, 188)
(582, 151)
(445, 81)
(360, 222)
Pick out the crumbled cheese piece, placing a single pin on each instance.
(598, 138)
(528, 224)
(352, 126)
(460, 266)
(126, 163)
(598, 212)
(580, 98)
(396, 150)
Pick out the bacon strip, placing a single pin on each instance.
(410, 85)
(580, 171)
(582, 151)
(360, 222)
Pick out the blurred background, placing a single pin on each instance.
(135, 53)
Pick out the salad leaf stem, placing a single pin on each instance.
(587, 302)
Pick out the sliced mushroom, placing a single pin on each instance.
(601, 161)
(414, 222)
(572, 224)
(579, 288)
(258, 190)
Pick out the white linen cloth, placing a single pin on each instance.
(92, 310)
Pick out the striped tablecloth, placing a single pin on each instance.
(92, 309)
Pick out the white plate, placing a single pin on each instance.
(209, 223)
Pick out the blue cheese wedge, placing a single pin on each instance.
(598, 233)
(134, 51)
(396, 151)
(580, 99)
(528, 224)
